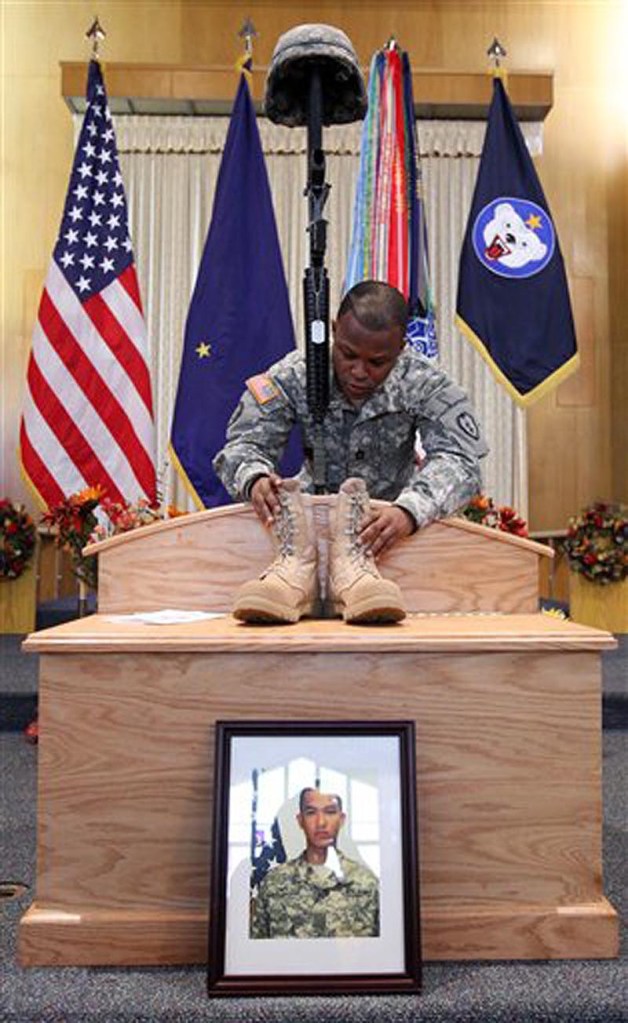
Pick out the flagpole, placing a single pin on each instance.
(495, 53)
(513, 300)
(87, 419)
(96, 33)
(247, 32)
(239, 320)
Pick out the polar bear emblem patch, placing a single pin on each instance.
(514, 237)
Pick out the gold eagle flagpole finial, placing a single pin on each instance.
(245, 62)
(96, 33)
(495, 53)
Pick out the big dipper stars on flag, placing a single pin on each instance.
(88, 417)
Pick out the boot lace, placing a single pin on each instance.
(284, 532)
(356, 551)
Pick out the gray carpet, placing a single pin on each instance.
(506, 992)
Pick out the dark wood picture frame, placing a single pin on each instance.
(402, 953)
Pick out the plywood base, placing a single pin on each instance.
(118, 938)
(585, 931)
(507, 712)
(55, 937)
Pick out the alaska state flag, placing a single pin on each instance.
(513, 301)
(239, 321)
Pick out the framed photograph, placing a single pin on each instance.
(315, 863)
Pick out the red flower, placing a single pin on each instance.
(31, 732)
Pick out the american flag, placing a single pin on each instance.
(88, 414)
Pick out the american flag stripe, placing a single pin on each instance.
(60, 466)
(71, 423)
(96, 395)
(118, 321)
(74, 459)
(43, 481)
(37, 427)
(117, 340)
(129, 282)
(89, 343)
(88, 415)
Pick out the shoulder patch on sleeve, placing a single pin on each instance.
(263, 389)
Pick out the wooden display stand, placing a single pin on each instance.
(603, 607)
(17, 603)
(506, 703)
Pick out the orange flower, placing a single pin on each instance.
(481, 501)
(89, 494)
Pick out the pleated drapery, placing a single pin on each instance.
(170, 166)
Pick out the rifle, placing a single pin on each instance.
(316, 286)
(315, 79)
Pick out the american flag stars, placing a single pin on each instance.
(93, 246)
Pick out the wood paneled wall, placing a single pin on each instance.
(577, 434)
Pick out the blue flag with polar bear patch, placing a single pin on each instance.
(513, 300)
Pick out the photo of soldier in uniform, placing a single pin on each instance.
(314, 856)
(322, 893)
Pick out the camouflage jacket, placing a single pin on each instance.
(375, 440)
(299, 900)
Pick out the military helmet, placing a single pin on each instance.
(330, 51)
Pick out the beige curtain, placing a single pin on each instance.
(170, 166)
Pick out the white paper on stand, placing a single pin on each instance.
(169, 616)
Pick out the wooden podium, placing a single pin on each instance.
(507, 707)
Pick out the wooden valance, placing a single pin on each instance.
(201, 91)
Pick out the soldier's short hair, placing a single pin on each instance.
(376, 305)
(310, 788)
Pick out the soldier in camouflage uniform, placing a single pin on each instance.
(322, 893)
(384, 398)
(396, 429)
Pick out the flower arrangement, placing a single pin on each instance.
(596, 544)
(482, 509)
(122, 517)
(17, 539)
(74, 520)
(89, 516)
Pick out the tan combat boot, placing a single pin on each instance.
(356, 589)
(288, 589)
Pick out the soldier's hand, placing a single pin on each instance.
(264, 497)
(384, 527)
